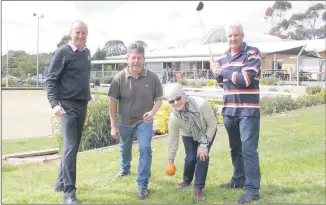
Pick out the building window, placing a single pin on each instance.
(279, 64)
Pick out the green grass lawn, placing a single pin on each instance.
(292, 160)
(27, 145)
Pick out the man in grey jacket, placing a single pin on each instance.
(68, 92)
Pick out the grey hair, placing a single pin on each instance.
(236, 24)
(76, 23)
(173, 90)
(136, 47)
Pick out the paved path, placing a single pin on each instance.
(25, 114)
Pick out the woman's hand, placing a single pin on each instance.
(202, 153)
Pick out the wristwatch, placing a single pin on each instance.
(203, 145)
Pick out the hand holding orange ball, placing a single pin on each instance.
(170, 169)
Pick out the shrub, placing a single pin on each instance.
(97, 82)
(42, 82)
(194, 84)
(312, 90)
(269, 81)
(215, 105)
(203, 82)
(107, 79)
(322, 96)
(182, 81)
(322, 93)
(308, 101)
(162, 118)
(96, 127)
(30, 81)
(11, 81)
(270, 105)
(211, 83)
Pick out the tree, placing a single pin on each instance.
(65, 39)
(321, 32)
(311, 16)
(98, 55)
(300, 25)
(275, 16)
(305, 23)
(115, 48)
(20, 63)
(142, 43)
(301, 31)
(323, 16)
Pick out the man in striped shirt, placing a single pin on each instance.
(238, 72)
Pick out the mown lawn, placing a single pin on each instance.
(28, 145)
(292, 156)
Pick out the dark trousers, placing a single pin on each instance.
(72, 124)
(193, 164)
(243, 138)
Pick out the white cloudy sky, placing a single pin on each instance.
(157, 23)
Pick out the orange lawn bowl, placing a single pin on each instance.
(170, 169)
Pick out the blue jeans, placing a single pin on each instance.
(144, 133)
(193, 164)
(243, 138)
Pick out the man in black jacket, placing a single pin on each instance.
(68, 92)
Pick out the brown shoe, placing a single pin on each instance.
(199, 195)
(182, 185)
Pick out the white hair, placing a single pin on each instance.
(77, 23)
(236, 24)
(173, 90)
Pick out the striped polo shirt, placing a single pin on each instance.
(240, 78)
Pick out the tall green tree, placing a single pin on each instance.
(115, 48)
(275, 16)
(300, 25)
(20, 63)
(142, 43)
(98, 55)
(305, 23)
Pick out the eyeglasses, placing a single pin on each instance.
(177, 100)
